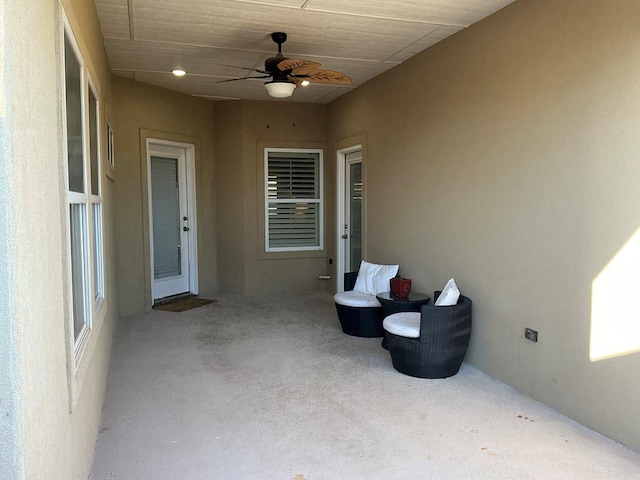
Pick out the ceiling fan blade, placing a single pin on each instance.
(327, 77)
(245, 68)
(241, 78)
(297, 63)
(303, 71)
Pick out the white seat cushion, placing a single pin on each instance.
(356, 299)
(404, 324)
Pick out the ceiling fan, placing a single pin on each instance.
(287, 73)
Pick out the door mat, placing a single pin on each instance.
(180, 305)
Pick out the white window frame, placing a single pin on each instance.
(92, 285)
(319, 200)
(96, 230)
(111, 161)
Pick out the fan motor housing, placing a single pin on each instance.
(271, 66)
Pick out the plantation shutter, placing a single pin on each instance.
(293, 200)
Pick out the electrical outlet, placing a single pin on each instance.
(530, 334)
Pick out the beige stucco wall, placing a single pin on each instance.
(229, 139)
(508, 157)
(49, 410)
(140, 111)
(244, 130)
(230, 173)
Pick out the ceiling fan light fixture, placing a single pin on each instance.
(280, 89)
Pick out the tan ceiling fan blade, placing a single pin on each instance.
(304, 70)
(296, 63)
(327, 77)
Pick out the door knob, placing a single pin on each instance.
(186, 229)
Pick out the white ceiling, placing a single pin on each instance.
(146, 39)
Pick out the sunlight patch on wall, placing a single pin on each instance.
(615, 316)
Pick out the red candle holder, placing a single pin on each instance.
(400, 287)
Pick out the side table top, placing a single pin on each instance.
(414, 297)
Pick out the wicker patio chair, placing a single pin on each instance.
(359, 321)
(431, 343)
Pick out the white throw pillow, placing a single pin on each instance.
(373, 279)
(449, 295)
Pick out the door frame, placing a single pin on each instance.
(341, 190)
(190, 182)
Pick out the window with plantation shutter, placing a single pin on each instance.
(293, 203)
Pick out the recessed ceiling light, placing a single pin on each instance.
(304, 83)
(178, 72)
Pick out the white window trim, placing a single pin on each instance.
(93, 310)
(319, 200)
(111, 162)
(79, 343)
(97, 296)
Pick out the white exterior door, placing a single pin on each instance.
(171, 220)
(350, 204)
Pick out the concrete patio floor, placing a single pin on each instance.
(268, 387)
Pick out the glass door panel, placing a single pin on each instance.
(355, 215)
(166, 218)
